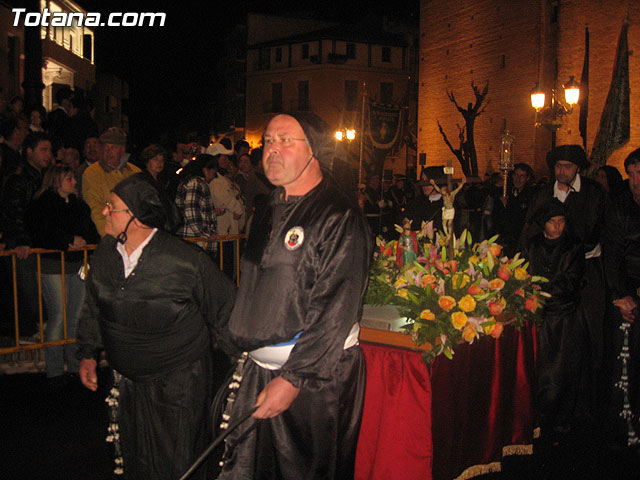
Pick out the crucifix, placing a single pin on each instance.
(448, 210)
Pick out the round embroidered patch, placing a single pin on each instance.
(294, 238)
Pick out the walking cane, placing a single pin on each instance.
(216, 442)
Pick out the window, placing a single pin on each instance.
(278, 54)
(303, 96)
(386, 54)
(386, 92)
(305, 51)
(265, 59)
(351, 95)
(87, 49)
(276, 97)
(351, 50)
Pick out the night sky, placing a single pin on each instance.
(171, 70)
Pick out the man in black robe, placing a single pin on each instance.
(304, 274)
(585, 205)
(507, 215)
(622, 267)
(427, 205)
(155, 304)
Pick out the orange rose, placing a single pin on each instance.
(467, 303)
(495, 249)
(489, 328)
(504, 273)
(519, 291)
(453, 265)
(497, 307)
(427, 315)
(446, 302)
(469, 333)
(520, 274)
(497, 330)
(532, 303)
(475, 290)
(427, 280)
(496, 284)
(458, 320)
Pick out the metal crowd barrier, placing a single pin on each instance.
(22, 344)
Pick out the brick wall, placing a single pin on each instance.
(513, 44)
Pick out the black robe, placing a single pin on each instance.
(622, 268)
(157, 327)
(421, 209)
(585, 214)
(561, 342)
(313, 284)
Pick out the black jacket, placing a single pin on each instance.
(53, 222)
(159, 318)
(314, 284)
(622, 247)
(16, 196)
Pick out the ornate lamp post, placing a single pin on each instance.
(551, 116)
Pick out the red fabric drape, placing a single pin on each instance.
(395, 437)
(482, 400)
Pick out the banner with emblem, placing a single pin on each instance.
(384, 125)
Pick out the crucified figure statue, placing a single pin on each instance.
(448, 211)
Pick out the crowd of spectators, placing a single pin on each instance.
(57, 171)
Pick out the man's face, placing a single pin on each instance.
(19, 133)
(41, 156)
(223, 162)
(244, 163)
(113, 153)
(286, 152)
(116, 214)
(92, 149)
(565, 172)
(554, 227)
(243, 150)
(520, 178)
(427, 189)
(373, 182)
(634, 180)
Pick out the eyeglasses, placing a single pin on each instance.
(111, 210)
(282, 141)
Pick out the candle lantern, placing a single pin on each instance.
(506, 158)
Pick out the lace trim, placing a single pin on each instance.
(233, 387)
(113, 430)
(623, 385)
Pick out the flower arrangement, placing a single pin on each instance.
(453, 297)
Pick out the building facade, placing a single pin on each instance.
(512, 45)
(306, 65)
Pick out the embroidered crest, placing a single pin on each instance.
(294, 238)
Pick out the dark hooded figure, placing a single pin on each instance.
(154, 303)
(557, 255)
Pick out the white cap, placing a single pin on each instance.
(218, 149)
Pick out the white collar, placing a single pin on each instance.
(130, 261)
(562, 194)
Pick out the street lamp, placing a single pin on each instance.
(550, 117)
(346, 133)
